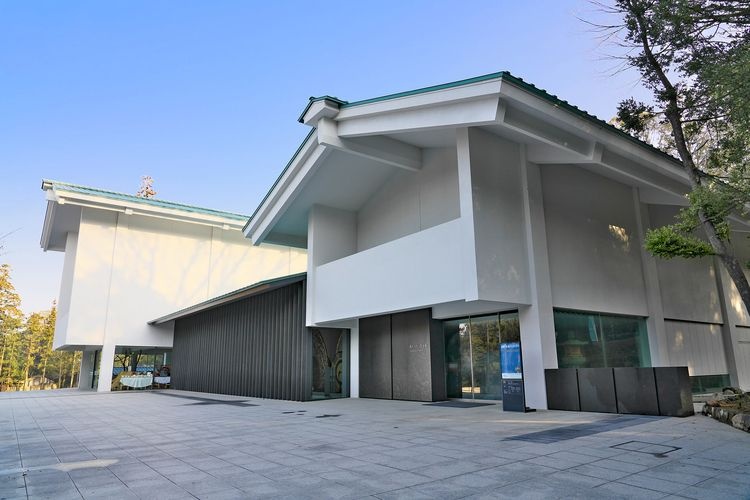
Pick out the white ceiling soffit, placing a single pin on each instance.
(393, 131)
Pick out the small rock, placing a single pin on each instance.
(741, 421)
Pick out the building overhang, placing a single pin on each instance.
(65, 202)
(354, 148)
(227, 298)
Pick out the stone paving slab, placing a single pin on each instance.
(175, 445)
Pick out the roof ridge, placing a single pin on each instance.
(138, 199)
(507, 75)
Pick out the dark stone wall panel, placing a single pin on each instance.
(437, 353)
(257, 347)
(674, 391)
(375, 358)
(636, 391)
(596, 387)
(562, 389)
(412, 371)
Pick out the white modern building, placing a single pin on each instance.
(493, 205)
(453, 237)
(130, 259)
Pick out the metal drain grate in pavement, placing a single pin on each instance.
(458, 404)
(657, 450)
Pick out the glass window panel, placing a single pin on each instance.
(485, 346)
(453, 370)
(590, 340)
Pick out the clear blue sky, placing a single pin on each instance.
(204, 96)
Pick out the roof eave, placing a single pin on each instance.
(131, 208)
(279, 184)
(233, 296)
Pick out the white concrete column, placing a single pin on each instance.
(108, 348)
(657, 335)
(105, 368)
(466, 207)
(86, 371)
(331, 235)
(354, 361)
(539, 348)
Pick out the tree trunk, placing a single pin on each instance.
(674, 115)
(2, 355)
(27, 363)
(72, 370)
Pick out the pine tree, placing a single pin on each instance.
(694, 56)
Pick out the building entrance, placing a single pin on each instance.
(330, 363)
(472, 354)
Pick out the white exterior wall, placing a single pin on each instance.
(688, 286)
(86, 313)
(592, 236)
(125, 270)
(415, 271)
(698, 346)
(737, 325)
(331, 235)
(66, 290)
(695, 331)
(411, 201)
(498, 217)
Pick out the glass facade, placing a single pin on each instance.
(592, 340)
(472, 351)
(707, 384)
(134, 361)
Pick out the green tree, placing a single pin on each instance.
(48, 337)
(11, 321)
(694, 56)
(37, 344)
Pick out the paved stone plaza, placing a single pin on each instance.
(169, 444)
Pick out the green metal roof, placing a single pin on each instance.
(278, 179)
(113, 195)
(501, 75)
(316, 99)
(506, 76)
(233, 296)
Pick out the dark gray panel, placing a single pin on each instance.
(562, 389)
(596, 387)
(255, 347)
(437, 353)
(674, 391)
(636, 391)
(375, 357)
(412, 372)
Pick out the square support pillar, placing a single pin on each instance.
(539, 349)
(105, 368)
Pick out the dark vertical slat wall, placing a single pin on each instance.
(257, 347)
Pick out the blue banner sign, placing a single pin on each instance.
(510, 360)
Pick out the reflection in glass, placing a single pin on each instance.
(135, 361)
(330, 363)
(590, 340)
(472, 349)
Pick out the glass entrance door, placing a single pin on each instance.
(472, 350)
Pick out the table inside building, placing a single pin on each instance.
(137, 381)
